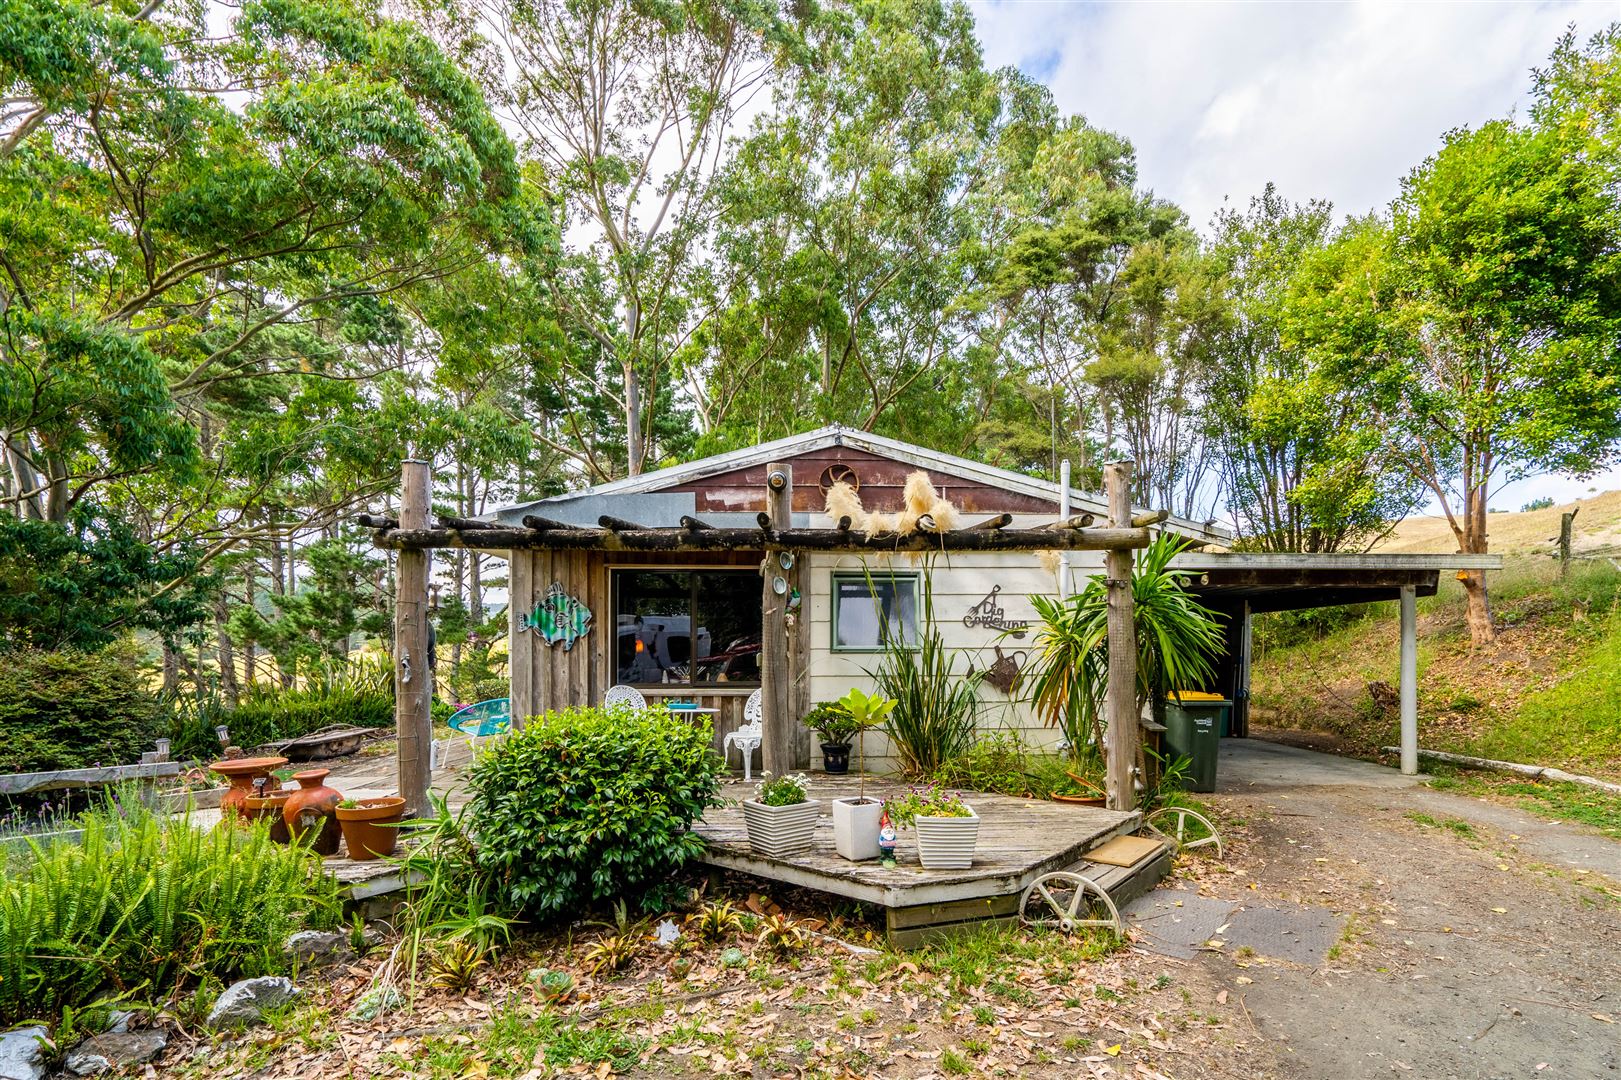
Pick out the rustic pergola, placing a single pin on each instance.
(413, 538)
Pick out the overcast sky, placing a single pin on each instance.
(1327, 100)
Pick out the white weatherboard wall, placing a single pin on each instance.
(961, 580)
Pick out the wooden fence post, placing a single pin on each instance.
(779, 748)
(1120, 739)
(413, 679)
(1567, 527)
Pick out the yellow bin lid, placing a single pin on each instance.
(1196, 695)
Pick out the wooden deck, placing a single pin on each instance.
(1019, 840)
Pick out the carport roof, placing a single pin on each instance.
(1290, 582)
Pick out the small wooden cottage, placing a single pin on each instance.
(687, 624)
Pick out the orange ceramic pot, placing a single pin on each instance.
(268, 807)
(313, 806)
(369, 829)
(242, 772)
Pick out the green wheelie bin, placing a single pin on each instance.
(1193, 730)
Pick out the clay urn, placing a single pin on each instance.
(242, 772)
(267, 804)
(314, 805)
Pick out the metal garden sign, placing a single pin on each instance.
(558, 617)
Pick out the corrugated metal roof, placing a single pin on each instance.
(822, 438)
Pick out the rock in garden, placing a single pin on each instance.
(20, 1054)
(316, 947)
(113, 1051)
(244, 1003)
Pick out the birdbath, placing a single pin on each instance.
(242, 772)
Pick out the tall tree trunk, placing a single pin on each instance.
(633, 390)
(633, 420)
(1482, 631)
(171, 670)
(227, 653)
(250, 666)
(475, 587)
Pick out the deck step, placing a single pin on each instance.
(912, 927)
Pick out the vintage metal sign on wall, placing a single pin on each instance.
(558, 617)
(991, 614)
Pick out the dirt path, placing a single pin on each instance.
(1475, 941)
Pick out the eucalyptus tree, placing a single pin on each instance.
(1481, 323)
(844, 249)
(1303, 464)
(627, 111)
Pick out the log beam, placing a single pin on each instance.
(569, 538)
(544, 524)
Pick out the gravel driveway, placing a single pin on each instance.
(1375, 927)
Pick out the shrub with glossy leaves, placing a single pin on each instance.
(586, 805)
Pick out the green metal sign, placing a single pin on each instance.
(558, 617)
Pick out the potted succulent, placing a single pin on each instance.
(855, 821)
(834, 727)
(370, 826)
(947, 828)
(781, 818)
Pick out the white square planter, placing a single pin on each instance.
(779, 832)
(947, 843)
(855, 828)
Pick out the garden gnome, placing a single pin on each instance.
(886, 839)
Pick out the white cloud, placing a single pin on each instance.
(1337, 101)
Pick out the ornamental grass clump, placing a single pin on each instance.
(588, 805)
(143, 905)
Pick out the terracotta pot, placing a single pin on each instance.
(242, 772)
(314, 804)
(268, 807)
(370, 829)
(1082, 800)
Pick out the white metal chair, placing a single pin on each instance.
(748, 737)
(621, 694)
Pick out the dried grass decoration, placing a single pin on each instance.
(922, 508)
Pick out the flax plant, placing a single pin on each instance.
(936, 709)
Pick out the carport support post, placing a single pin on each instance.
(1409, 680)
(413, 679)
(1120, 738)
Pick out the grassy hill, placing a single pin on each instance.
(1549, 692)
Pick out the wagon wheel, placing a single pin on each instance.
(1188, 829)
(1068, 901)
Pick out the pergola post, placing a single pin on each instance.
(1409, 680)
(777, 751)
(413, 679)
(1120, 737)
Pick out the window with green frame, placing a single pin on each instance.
(867, 610)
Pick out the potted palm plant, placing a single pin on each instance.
(947, 828)
(1177, 638)
(781, 818)
(855, 821)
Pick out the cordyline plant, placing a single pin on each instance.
(1177, 638)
